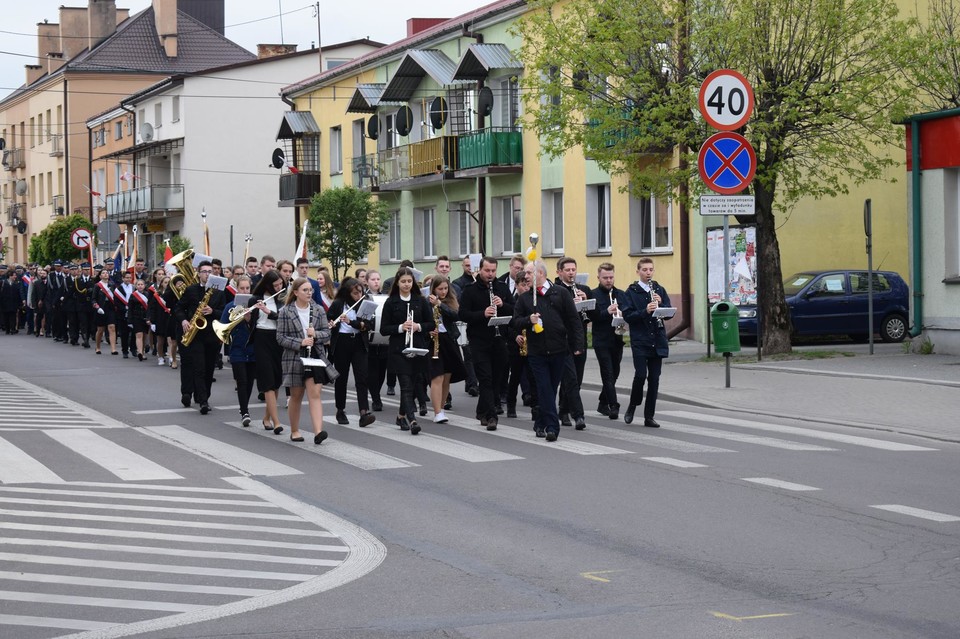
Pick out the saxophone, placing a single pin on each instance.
(436, 338)
(197, 322)
(523, 346)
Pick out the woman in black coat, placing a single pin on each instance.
(445, 363)
(404, 313)
(106, 310)
(348, 345)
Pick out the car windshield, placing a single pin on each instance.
(793, 284)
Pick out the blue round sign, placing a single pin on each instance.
(727, 163)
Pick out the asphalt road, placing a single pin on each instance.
(716, 525)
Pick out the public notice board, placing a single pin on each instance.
(743, 265)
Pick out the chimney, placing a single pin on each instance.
(273, 50)
(122, 16)
(54, 62)
(48, 40)
(73, 31)
(101, 21)
(165, 19)
(417, 25)
(34, 72)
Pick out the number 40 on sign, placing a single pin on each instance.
(726, 100)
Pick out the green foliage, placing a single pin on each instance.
(178, 244)
(54, 242)
(4, 247)
(932, 59)
(344, 225)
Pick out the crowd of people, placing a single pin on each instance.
(514, 337)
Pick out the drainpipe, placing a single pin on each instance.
(481, 181)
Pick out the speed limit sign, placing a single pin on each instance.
(726, 100)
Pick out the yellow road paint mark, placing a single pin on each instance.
(723, 615)
(593, 575)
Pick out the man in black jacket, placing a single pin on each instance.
(486, 298)
(202, 352)
(549, 350)
(570, 402)
(607, 345)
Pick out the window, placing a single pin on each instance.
(951, 224)
(40, 191)
(651, 225)
(33, 133)
(33, 190)
(336, 150)
(41, 134)
(598, 218)
(118, 130)
(158, 115)
(130, 123)
(392, 139)
(49, 125)
(832, 284)
(176, 108)
(552, 221)
(424, 233)
(460, 103)
(463, 228)
(309, 159)
(508, 98)
(860, 283)
(390, 243)
(507, 225)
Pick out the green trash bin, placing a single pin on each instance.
(725, 318)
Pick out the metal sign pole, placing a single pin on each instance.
(868, 231)
(726, 284)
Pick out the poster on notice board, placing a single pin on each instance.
(742, 258)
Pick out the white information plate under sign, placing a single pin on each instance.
(727, 205)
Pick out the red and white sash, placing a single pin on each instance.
(106, 290)
(140, 297)
(119, 295)
(163, 305)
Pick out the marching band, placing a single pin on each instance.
(519, 336)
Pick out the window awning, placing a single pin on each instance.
(415, 65)
(480, 59)
(366, 98)
(297, 124)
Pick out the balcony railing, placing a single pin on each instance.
(394, 164)
(298, 188)
(366, 171)
(437, 155)
(57, 206)
(157, 197)
(56, 149)
(490, 147)
(15, 213)
(14, 159)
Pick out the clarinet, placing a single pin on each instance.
(496, 329)
(653, 291)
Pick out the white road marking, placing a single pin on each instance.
(71, 580)
(17, 467)
(101, 420)
(100, 602)
(143, 567)
(164, 411)
(177, 552)
(758, 440)
(526, 436)
(647, 437)
(434, 443)
(189, 499)
(155, 509)
(918, 512)
(867, 442)
(178, 489)
(358, 456)
(53, 622)
(230, 456)
(679, 463)
(122, 462)
(777, 483)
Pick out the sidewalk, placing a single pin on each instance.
(887, 391)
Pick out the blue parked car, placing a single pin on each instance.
(834, 302)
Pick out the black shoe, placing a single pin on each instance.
(499, 409)
(126, 356)
(483, 421)
(319, 437)
(526, 399)
(391, 391)
(204, 408)
(414, 427)
(580, 424)
(551, 436)
(614, 411)
(86, 344)
(447, 405)
(423, 410)
(366, 419)
(261, 396)
(184, 399)
(245, 419)
(539, 432)
(628, 416)
(473, 391)
(492, 423)
(140, 356)
(342, 417)
(378, 406)
(511, 411)
(298, 438)
(278, 430)
(651, 423)
(403, 423)
(565, 420)
(603, 409)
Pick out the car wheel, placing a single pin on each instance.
(893, 328)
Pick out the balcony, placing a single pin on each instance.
(15, 213)
(366, 172)
(490, 151)
(138, 204)
(296, 189)
(14, 159)
(56, 148)
(417, 164)
(57, 205)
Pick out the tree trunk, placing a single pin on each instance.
(773, 312)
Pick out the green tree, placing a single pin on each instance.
(178, 244)
(344, 225)
(54, 242)
(933, 68)
(619, 78)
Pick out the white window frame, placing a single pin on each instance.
(598, 219)
(425, 233)
(508, 105)
(507, 225)
(158, 115)
(463, 229)
(951, 224)
(552, 221)
(336, 150)
(391, 240)
(175, 107)
(644, 212)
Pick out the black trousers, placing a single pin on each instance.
(126, 344)
(608, 359)
(376, 371)
(245, 374)
(79, 322)
(570, 381)
(471, 380)
(349, 352)
(491, 364)
(646, 368)
(204, 351)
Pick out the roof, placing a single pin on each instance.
(296, 124)
(135, 47)
(416, 64)
(480, 59)
(453, 25)
(366, 98)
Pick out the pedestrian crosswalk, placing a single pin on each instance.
(28, 406)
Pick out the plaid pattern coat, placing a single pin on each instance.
(290, 334)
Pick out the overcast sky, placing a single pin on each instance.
(381, 20)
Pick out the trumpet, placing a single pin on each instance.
(237, 313)
(619, 325)
(410, 351)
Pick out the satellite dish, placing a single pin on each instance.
(22, 227)
(146, 132)
(404, 120)
(21, 187)
(3, 144)
(438, 112)
(278, 159)
(373, 127)
(485, 101)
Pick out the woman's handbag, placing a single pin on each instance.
(324, 373)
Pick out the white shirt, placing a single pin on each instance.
(304, 314)
(265, 322)
(345, 326)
